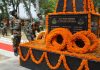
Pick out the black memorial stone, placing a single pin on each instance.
(74, 23)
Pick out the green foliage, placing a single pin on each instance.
(97, 3)
(5, 11)
(47, 5)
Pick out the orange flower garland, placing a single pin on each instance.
(53, 34)
(84, 63)
(64, 62)
(54, 42)
(92, 37)
(21, 56)
(65, 5)
(95, 41)
(61, 58)
(71, 47)
(41, 35)
(53, 67)
(37, 61)
(74, 5)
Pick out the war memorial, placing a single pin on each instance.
(69, 42)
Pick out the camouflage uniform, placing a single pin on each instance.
(17, 36)
(4, 29)
(28, 31)
(11, 26)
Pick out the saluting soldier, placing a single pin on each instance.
(16, 36)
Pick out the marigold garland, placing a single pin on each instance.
(95, 41)
(37, 61)
(61, 58)
(65, 5)
(92, 37)
(21, 56)
(53, 34)
(74, 5)
(84, 7)
(54, 41)
(84, 63)
(49, 64)
(71, 47)
(41, 35)
(92, 7)
(64, 62)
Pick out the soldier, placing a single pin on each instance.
(12, 24)
(41, 22)
(4, 27)
(28, 31)
(16, 36)
(1, 26)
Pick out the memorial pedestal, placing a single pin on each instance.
(73, 60)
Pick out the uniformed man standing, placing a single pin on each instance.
(4, 27)
(11, 25)
(16, 36)
(28, 31)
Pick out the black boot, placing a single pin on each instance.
(16, 52)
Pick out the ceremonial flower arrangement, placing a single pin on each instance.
(51, 38)
(68, 43)
(48, 42)
(90, 40)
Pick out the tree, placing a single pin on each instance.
(48, 5)
(96, 3)
(6, 14)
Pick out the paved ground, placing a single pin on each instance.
(6, 62)
(11, 64)
(2, 57)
